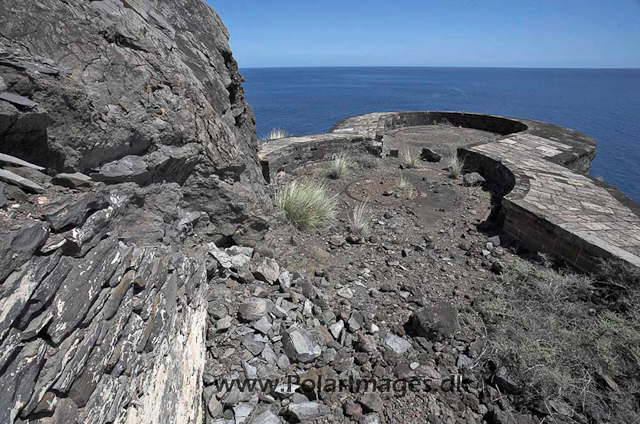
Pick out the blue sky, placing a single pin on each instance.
(509, 33)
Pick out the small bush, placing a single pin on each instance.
(361, 220)
(455, 167)
(409, 160)
(307, 204)
(275, 134)
(339, 166)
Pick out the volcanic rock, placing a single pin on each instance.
(434, 323)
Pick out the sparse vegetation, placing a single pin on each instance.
(369, 162)
(409, 160)
(404, 184)
(570, 337)
(360, 220)
(339, 166)
(307, 204)
(455, 167)
(275, 134)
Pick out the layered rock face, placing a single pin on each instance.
(103, 280)
(130, 90)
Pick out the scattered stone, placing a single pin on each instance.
(472, 179)
(253, 309)
(366, 344)
(18, 162)
(267, 270)
(346, 293)
(397, 344)
(267, 417)
(300, 347)
(372, 402)
(263, 325)
(430, 156)
(74, 212)
(284, 279)
(18, 100)
(242, 412)
(355, 322)
(214, 407)
(495, 240)
(308, 411)
(337, 240)
(374, 418)
(336, 329)
(464, 362)
(224, 324)
(352, 409)
(3, 198)
(497, 267)
(19, 181)
(75, 180)
(435, 323)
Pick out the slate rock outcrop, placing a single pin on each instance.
(135, 108)
(130, 91)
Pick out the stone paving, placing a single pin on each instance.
(578, 212)
(568, 199)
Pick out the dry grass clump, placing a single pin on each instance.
(360, 219)
(275, 134)
(569, 337)
(369, 162)
(455, 167)
(339, 166)
(404, 184)
(307, 204)
(409, 160)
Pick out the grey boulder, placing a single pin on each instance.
(435, 322)
(472, 179)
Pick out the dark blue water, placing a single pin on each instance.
(604, 104)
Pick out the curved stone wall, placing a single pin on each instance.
(549, 204)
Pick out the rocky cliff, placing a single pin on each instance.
(103, 278)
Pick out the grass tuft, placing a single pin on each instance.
(360, 220)
(339, 166)
(404, 184)
(307, 204)
(409, 160)
(455, 167)
(275, 134)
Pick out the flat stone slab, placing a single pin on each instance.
(18, 100)
(19, 181)
(16, 161)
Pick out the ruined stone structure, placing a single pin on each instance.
(548, 204)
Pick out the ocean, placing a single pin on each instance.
(603, 103)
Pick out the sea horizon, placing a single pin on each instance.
(595, 101)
